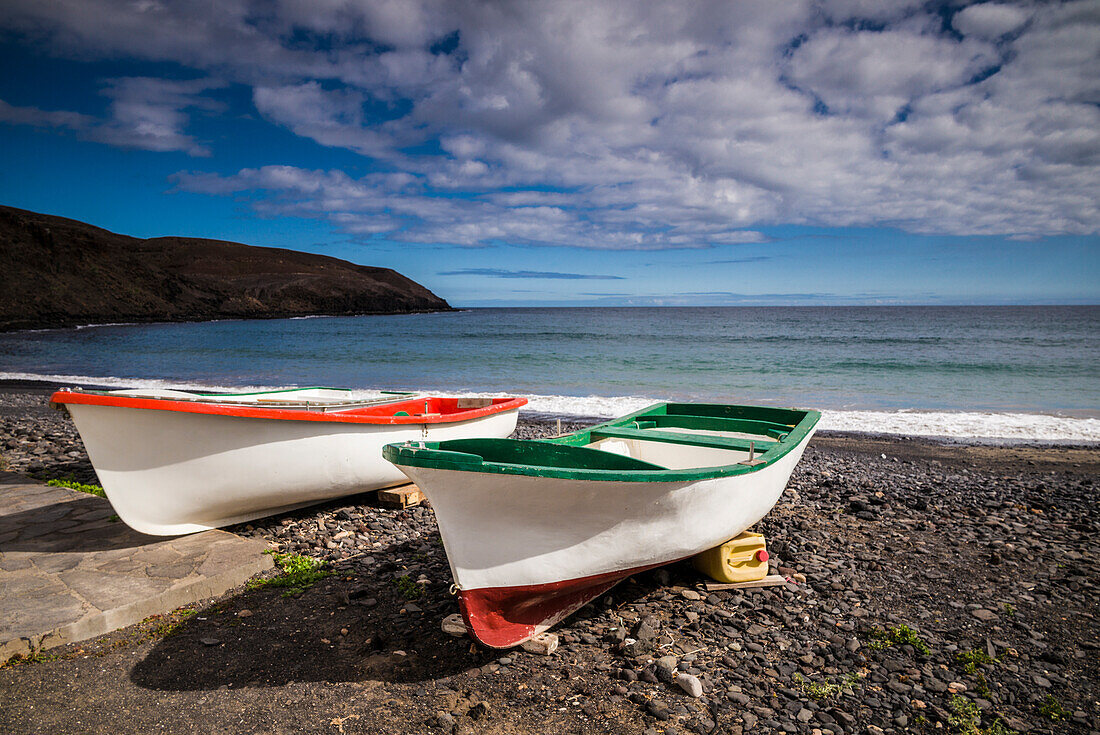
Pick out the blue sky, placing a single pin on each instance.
(574, 153)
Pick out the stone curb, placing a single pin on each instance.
(135, 612)
(184, 592)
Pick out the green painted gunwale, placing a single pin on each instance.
(791, 427)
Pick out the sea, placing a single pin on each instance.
(1004, 374)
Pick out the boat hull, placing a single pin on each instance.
(172, 472)
(527, 551)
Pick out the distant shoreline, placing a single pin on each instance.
(134, 322)
(124, 321)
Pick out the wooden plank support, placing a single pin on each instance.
(772, 580)
(404, 496)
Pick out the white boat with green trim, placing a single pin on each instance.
(535, 529)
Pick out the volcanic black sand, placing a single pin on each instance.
(933, 589)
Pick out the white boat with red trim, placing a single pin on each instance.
(535, 529)
(174, 462)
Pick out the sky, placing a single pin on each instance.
(582, 153)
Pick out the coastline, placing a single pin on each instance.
(28, 401)
(931, 427)
(972, 549)
(132, 321)
(1001, 376)
(177, 279)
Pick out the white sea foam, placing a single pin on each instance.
(593, 406)
(968, 426)
(115, 382)
(102, 324)
(78, 327)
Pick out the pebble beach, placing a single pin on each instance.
(929, 588)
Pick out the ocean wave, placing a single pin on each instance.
(117, 382)
(106, 324)
(967, 426)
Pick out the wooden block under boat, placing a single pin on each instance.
(772, 580)
(404, 496)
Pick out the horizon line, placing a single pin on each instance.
(763, 306)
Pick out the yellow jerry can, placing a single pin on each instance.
(741, 559)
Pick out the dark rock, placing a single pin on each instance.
(647, 628)
(658, 709)
(478, 711)
(177, 278)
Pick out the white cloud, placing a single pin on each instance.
(398, 205)
(148, 114)
(875, 11)
(44, 118)
(617, 124)
(878, 72)
(332, 118)
(151, 114)
(989, 20)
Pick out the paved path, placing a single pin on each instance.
(69, 570)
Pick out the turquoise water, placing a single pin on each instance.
(1039, 359)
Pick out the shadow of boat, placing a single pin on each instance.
(347, 628)
(82, 525)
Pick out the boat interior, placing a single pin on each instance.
(326, 400)
(683, 441)
(663, 437)
(292, 398)
(432, 406)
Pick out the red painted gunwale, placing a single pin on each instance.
(503, 617)
(446, 409)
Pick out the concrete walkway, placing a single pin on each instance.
(70, 571)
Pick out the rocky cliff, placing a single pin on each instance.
(57, 272)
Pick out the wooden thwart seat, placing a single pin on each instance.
(764, 429)
(671, 437)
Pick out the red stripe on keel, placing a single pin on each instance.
(503, 617)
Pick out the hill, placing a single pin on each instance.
(57, 272)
